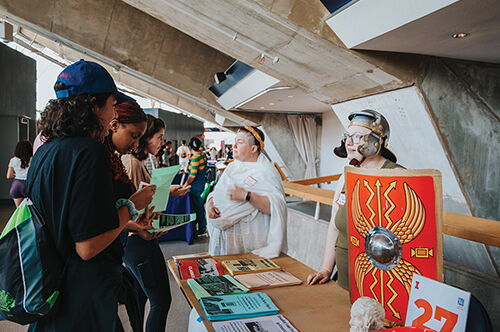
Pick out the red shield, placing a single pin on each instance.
(407, 204)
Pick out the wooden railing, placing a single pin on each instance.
(466, 227)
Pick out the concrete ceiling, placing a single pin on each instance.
(156, 58)
(293, 100)
(431, 34)
(246, 29)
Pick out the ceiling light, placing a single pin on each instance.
(459, 35)
(290, 96)
(271, 104)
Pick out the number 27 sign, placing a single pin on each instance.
(437, 306)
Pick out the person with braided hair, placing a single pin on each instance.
(143, 256)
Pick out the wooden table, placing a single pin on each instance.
(315, 308)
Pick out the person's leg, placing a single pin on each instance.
(198, 207)
(159, 295)
(146, 262)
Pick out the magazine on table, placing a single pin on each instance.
(216, 286)
(242, 266)
(274, 323)
(196, 268)
(238, 306)
(267, 279)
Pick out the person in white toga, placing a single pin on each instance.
(183, 153)
(246, 211)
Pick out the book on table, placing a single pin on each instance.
(196, 268)
(274, 323)
(238, 306)
(267, 279)
(216, 286)
(242, 266)
(191, 256)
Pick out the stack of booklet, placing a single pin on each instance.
(216, 286)
(201, 267)
(227, 297)
(238, 306)
(243, 266)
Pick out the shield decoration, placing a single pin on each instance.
(394, 231)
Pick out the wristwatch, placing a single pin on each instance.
(247, 197)
(131, 207)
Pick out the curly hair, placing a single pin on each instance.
(154, 126)
(24, 151)
(73, 116)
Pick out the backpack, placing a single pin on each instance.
(31, 268)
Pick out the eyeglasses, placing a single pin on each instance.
(356, 138)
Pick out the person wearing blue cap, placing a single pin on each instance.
(70, 184)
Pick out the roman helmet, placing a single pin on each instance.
(379, 127)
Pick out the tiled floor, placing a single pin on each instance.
(179, 311)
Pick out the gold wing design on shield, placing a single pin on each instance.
(411, 224)
(362, 267)
(362, 224)
(404, 273)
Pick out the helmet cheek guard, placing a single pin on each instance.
(371, 147)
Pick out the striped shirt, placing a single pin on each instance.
(198, 162)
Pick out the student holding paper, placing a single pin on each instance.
(143, 257)
(69, 183)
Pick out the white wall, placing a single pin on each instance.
(331, 133)
(413, 138)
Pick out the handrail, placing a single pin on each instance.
(480, 230)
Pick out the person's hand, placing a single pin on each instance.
(319, 277)
(145, 223)
(143, 197)
(237, 194)
(213, 212)
(179, 190)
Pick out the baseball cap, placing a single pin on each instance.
(88, 77)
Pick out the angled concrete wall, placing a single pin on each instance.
(17, 98)
(465, 101)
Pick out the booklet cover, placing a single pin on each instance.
(196, 268)
(238, 306)
(171, 221)
(241, 266)
(216, 286)
(274, 323)
(267, 280)
(162, 178)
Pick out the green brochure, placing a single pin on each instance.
(171, 221)
(162, 178)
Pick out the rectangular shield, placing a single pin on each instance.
(394, 231)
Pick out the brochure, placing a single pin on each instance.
(171, 221)
(238, 306)
(274, 323)
(196, 268)
(267, 280)
(216, 286)
(241, 266)
(162, 178)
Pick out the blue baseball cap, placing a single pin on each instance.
(88, 77)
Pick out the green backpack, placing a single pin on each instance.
(30, 267)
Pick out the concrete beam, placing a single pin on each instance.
(245, 29)
(137, 43)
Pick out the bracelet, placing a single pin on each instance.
(131, 207)
(247, 197)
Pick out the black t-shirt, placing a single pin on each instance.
(70, 183)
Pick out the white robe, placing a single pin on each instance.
(241, 228)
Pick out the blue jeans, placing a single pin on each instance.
(198, 207)
(145, 261)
